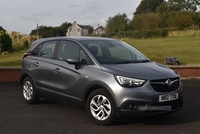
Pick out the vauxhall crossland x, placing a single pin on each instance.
(108, 77)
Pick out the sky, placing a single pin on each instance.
(24, 15)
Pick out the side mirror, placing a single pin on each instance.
(74, 61)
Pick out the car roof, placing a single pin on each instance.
(78, 38)
(72, 38)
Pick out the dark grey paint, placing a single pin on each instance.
(57, 79)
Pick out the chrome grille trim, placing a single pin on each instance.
(161, 85)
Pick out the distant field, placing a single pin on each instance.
(186, 49)
(11, 59)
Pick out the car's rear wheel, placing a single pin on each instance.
(29, 91)
(101, 107)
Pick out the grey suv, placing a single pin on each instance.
(108, 77)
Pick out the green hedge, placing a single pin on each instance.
(137, 34)
(143, 34)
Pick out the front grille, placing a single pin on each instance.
(163, 86)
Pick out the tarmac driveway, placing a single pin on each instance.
(17, 117)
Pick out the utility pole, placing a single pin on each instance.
(37, 30)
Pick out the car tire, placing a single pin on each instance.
(29, 91)
(101, 107)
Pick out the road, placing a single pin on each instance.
(48, 117)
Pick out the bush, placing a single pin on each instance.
(25, 44)
(137, 34)
(5, 42)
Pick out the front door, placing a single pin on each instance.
(66, 79)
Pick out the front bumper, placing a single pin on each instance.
(133, 108)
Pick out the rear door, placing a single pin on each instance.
(42, 69)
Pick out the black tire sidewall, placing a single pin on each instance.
(34, 98)
(112, 116)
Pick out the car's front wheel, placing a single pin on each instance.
(29, 91)
(101, 107)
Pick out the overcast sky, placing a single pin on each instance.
(23, 15)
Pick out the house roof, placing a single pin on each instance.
(80, 26)
(99, 27)
(74, 25)
(84, 26)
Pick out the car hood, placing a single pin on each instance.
(148, 70)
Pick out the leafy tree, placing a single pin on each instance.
(197, 19)
(181, 20)
(2, 29)
(45, 31)
(163, 8)
(184, 5)
(5, 42)
(147, 6)
(91, 29)
(177, 5)
(193, 5)
(63, 28)
(146, 21)
(117, 23)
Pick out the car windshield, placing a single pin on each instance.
(114, 52)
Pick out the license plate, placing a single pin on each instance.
(168, 97)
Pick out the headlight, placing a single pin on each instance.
(129, 82)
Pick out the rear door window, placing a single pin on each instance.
(48, 49)
(45, 50)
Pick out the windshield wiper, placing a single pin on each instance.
(127, 62)
(123, 62)
(142, 61)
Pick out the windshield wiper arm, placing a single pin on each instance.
(123, 62)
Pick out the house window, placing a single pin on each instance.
(78, 29)
(70, 29)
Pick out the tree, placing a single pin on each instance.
(45, 31)
(193, 5)
(146, 21)
(63, 28)
(147, 6)
(90, 30)
(117, 23)
(180, 20)
(2, 29)
(184, 5)
(163, 8)
(5, 42)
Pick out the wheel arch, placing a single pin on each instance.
(24, 75)
(97, 85)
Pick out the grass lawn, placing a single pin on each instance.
(11, 59)
(186, 49)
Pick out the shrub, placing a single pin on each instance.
(25, 44)
(5, 42)
(138, 34)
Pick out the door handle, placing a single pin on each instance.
(57, 70)
(35, 64)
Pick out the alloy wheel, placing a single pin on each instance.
(27, 90)
(100, 107)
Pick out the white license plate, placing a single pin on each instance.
(168, 97)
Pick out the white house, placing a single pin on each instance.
(77, 30)
(99, 30)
